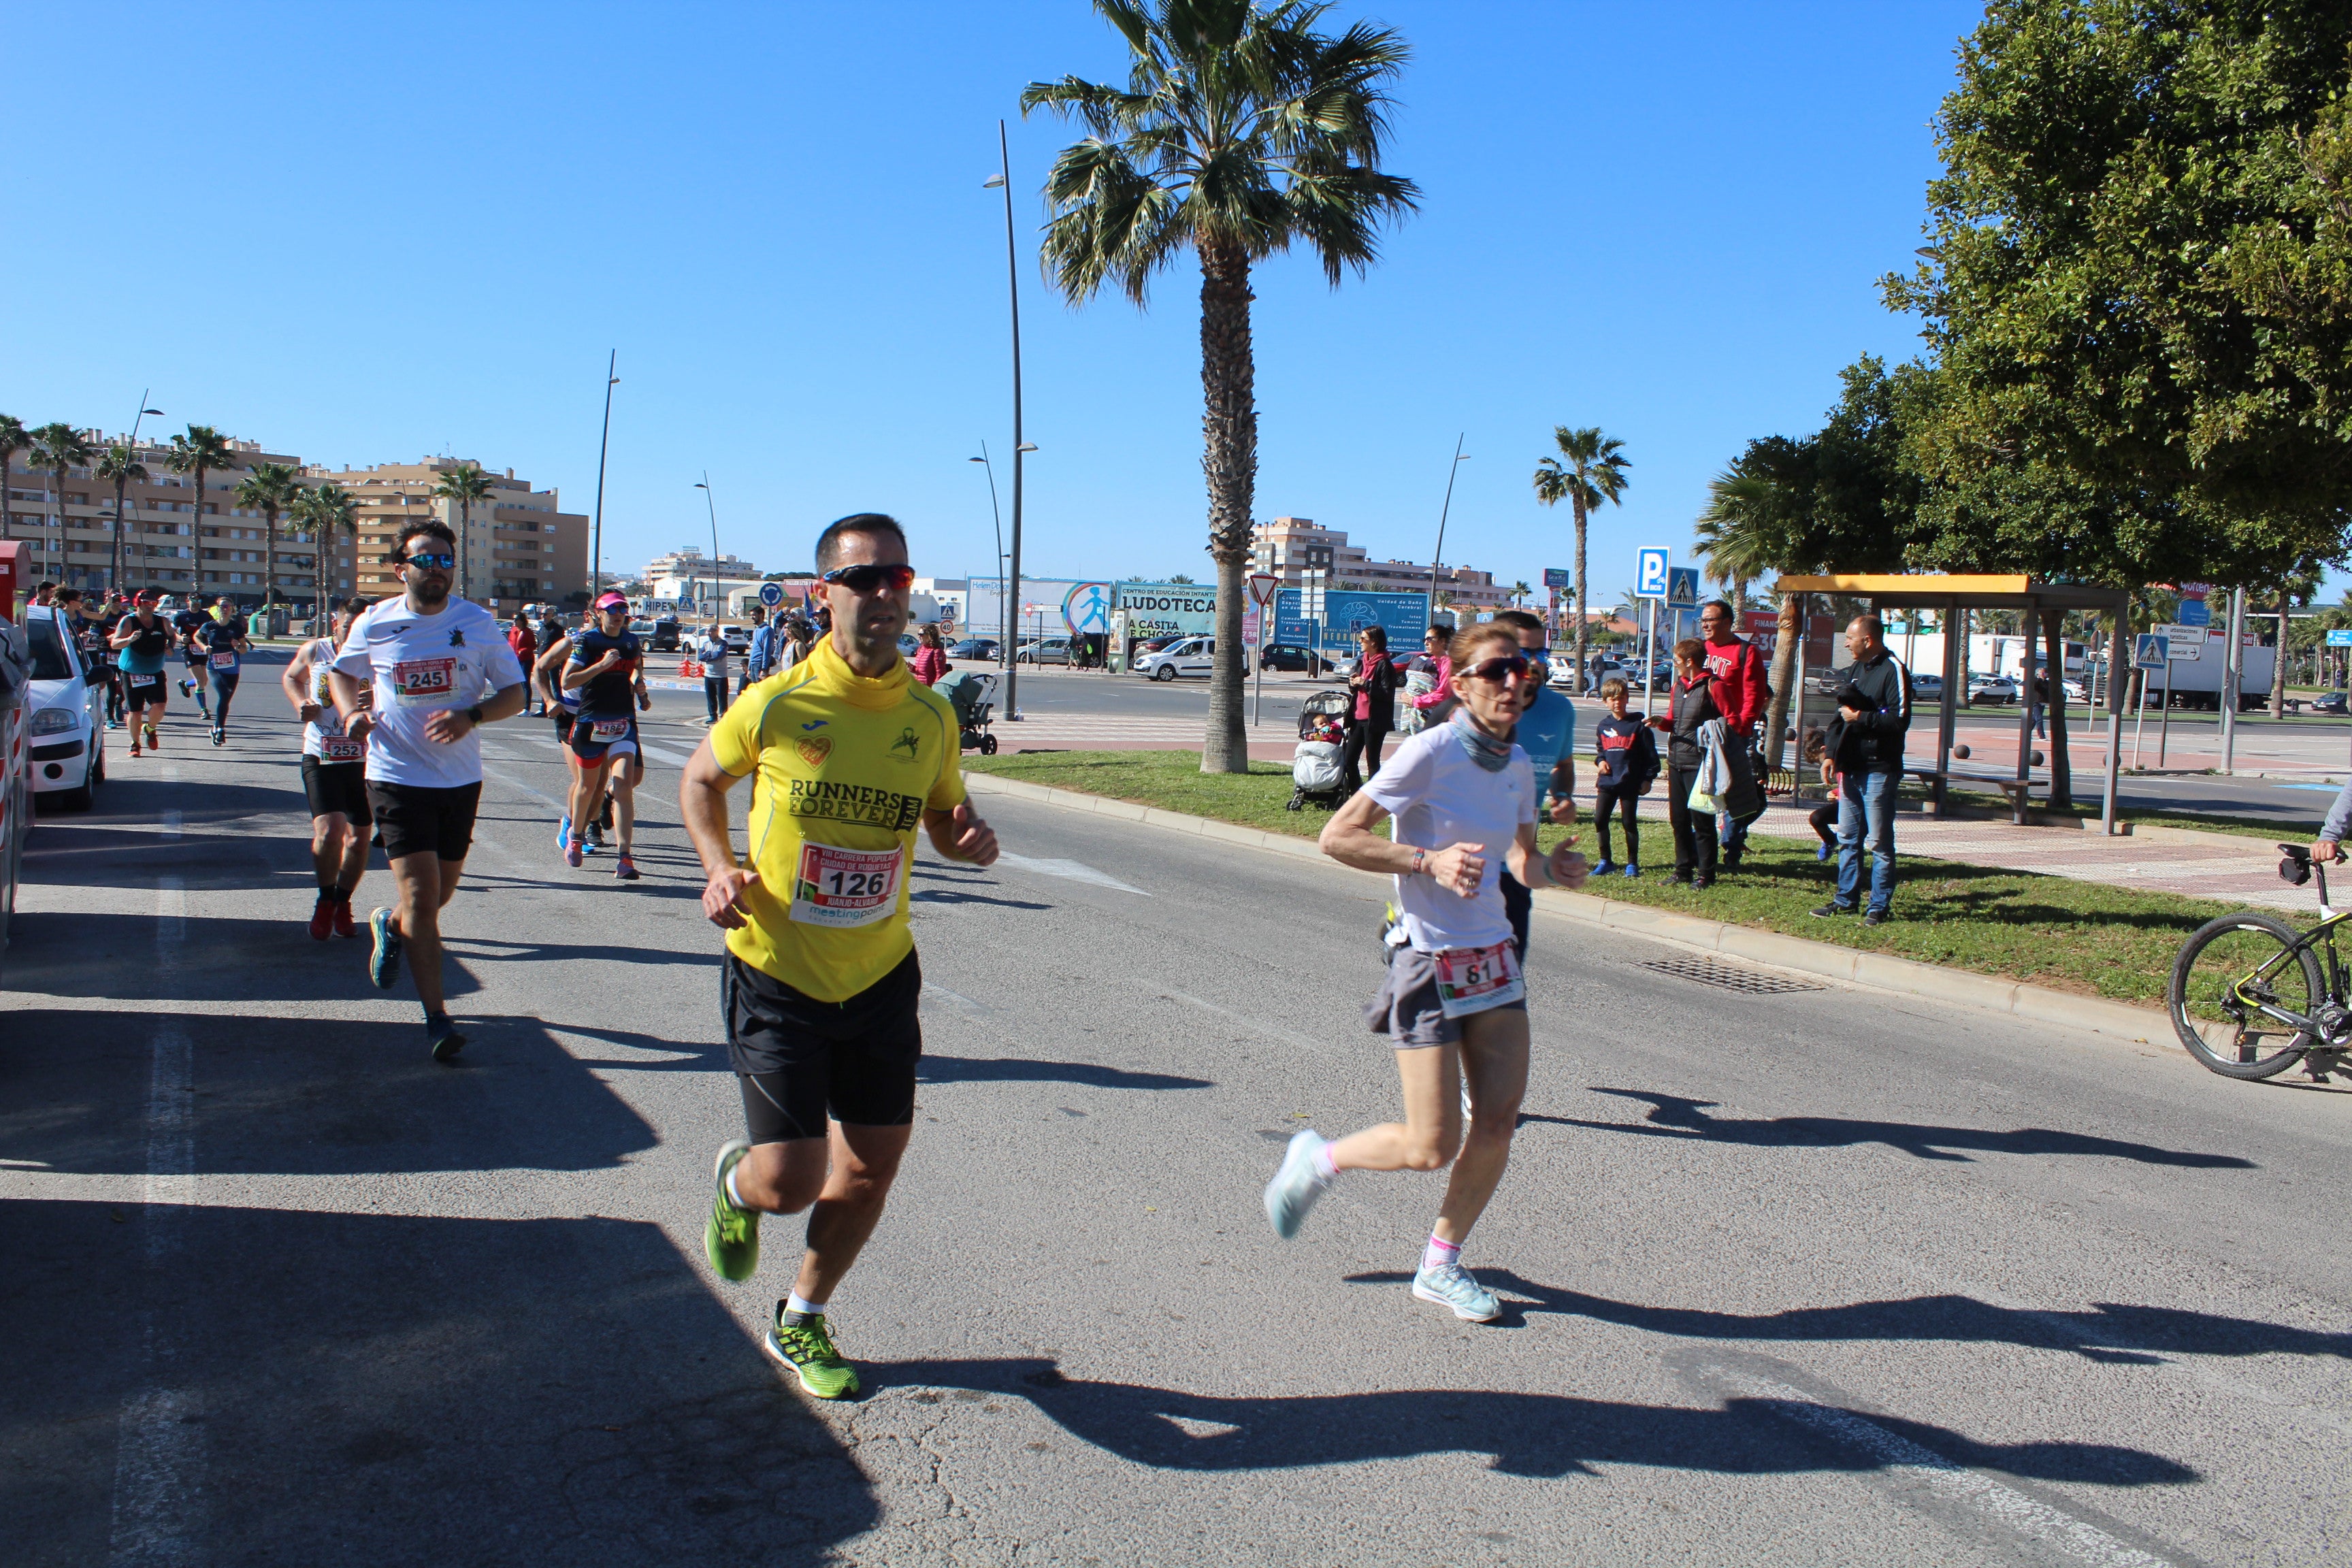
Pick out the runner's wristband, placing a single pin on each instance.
(1418, 857)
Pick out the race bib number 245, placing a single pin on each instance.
(420, 682)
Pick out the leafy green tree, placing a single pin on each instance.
(464, 486)
(324, 511)
(1589, 469)
(60, 448)
(269, 490)
(197, 452)
(14, 438)
(2139, 291)
(123, 467)
(1241, 131)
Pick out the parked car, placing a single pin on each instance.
(1044, 650)
(1927, 688)
(1991, 689)
(2077, 693)
(738, 640)
(643, 629)
(983, 649)
(665, 635)
(1190, 656)
(2328, 702)
(1159, 643)
(1290, 656)
(66, 716)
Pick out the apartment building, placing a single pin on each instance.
(523, 547)
(172, 540)
(1277, 547)
(687, 573)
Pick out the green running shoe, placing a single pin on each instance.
(732, 1239)
(383, 964)
(807, 1349)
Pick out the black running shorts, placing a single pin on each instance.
(418, 819)
(146, 690)
(799, 1060)
(337, 788)
(563, 717)
(585, 747)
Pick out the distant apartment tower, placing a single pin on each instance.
(523, 547)
(172, 540)
(1277, 547)
(671, 576)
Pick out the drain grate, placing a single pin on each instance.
(1730, 977)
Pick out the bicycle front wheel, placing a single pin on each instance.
(2227, 968)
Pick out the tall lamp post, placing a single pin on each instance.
(1003, 180)
(718, 578)
(1439, 553)
(114, 570)
(1004, 588)
(604, 443)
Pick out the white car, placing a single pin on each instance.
(1193, 656)
(68, 709)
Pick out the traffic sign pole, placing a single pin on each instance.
(1262, 586)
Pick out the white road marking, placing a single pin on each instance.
(1258, 1025)
(169, 773)
(2076, 1538)
(170, 828)
(1070, 870)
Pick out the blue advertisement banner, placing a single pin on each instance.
(1161, 609)
(1345, 612)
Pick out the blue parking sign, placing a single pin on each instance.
(1650, 573)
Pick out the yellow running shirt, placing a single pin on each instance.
(845, 768)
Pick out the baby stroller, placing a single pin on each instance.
(1316, 772)
(973, 694)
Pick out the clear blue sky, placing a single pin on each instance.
(364, 234)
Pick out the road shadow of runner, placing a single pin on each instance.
(1673, 1116)
(2108, 1332)
(1017, 1069)
(397, 1389)
(1537, 1435)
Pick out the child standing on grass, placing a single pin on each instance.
(1626, 759)
(1825, 816)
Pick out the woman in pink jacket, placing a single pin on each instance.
(930, 660)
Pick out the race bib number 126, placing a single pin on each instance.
(845, 886)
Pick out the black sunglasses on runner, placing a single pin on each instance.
(1515, 667)
(437, 561)
(866, 578)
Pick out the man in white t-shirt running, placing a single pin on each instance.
(1453, 1001)
(438, 671)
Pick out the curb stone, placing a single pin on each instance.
(1881, 972)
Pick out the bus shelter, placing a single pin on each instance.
(2045, 605)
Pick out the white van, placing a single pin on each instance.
(66, 710)
(1193, 656)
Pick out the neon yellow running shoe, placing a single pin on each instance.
(807, 1348)
(732, 1239)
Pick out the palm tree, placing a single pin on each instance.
(1589, 469)
(14, 438)
(60, 448)
(200, 450)
(464, 486)
(324, 510)
(269, 490)
(1241, 130)
(123, 467)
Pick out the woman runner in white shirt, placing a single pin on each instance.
(1465, 799)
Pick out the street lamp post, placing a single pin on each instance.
(604, 443)
(1438, 554)
(114, 569)
(1004, 652)
(718, 578)
(1003, 180)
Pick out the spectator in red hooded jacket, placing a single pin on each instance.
(1736, 680)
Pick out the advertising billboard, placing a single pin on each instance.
(1162, 610)
(1347, 611)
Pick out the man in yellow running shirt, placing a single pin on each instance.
(821, 981)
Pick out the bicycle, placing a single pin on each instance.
(2252, 994)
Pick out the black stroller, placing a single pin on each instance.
(973, 694)
(1316, 770)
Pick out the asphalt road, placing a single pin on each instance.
(1822, 1276)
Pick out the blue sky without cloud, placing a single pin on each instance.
(366, 234)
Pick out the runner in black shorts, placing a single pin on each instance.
(334, 777)
(821, 982)
(605, 669)
(222, 647)
(554, 653)
(141, 640)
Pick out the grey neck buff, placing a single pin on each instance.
(1479, 746)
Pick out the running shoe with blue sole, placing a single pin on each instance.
(1450, 1285)
(442, 1037)
(383, 964)
(1296, 1185)
(563, 833)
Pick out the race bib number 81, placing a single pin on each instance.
(1473, 979)
(845, 886)
(418, 682)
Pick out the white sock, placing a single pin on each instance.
(1439, 1253)
(734, 1195)
(796, 1302)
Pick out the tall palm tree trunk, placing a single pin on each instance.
(1583, 620)
(1785, 663)
(1229, 462)
(268, 557)
(196, 574)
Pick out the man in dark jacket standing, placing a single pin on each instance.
(1866, 738)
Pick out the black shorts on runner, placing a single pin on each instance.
(419, 819)
(146, 690)
(800, 1060)
(563, 717)
(337, 788)
(588, 751)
